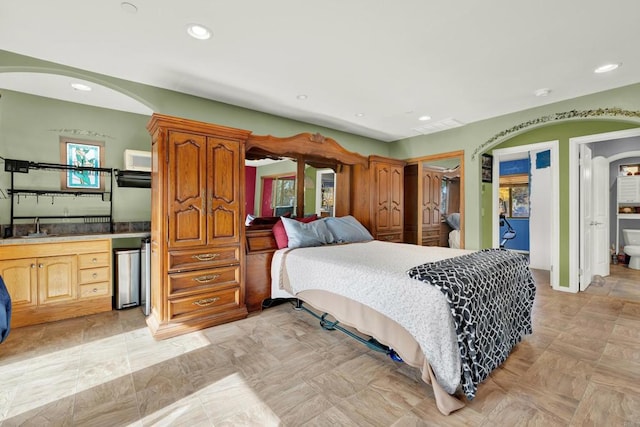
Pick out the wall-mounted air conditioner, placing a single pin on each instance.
(135, 160)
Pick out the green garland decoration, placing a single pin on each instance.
(600, 112)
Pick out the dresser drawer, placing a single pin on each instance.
(191, 281)
(390, 237)
(91, 275)
(261, 241)
(202, 258)
(100, 259)
(203, 304)
(95, 290)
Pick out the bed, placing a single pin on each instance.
(366, 285)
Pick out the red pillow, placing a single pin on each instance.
(280, 234)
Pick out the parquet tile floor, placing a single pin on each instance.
(581, 367)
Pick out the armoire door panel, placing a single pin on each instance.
(186, 193)
(224, 212)
(223, 225)
(382, 218)
(224, 168)
(185, 227)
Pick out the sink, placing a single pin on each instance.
(37, 235)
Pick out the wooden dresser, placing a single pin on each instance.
(196, 225)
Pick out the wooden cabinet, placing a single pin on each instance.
(57, 279)
(430, 206)
(260, 248)
(423, 205)
(378, 200)
(54, 281)
(197, 208)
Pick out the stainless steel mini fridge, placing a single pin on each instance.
(127, 278)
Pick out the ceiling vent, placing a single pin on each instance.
(438, 126)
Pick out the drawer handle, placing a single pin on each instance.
(33, 266)
(206, 301)
(205, 257)
(207, 278)
(94, 290)
(94, 260)
(94, 275)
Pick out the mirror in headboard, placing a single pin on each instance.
(311, 153)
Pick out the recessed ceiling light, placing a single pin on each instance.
(198, 31)
(81, 87)
(542, 92)
(606, 68)
(301, 97)
(128, 7)
(424, 118)
(359, 114)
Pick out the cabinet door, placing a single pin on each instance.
(57, 279)
(186, 182)
(396, 201)
(381, 202)
(388, 197)
(223, 188)
(431, 188)
(21, 278)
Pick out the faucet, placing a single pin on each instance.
(37, 222)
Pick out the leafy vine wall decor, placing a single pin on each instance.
(600, 112)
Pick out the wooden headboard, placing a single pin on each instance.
(314, 150)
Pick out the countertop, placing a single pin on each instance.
(71, 238)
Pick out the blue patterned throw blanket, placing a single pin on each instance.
(491, 295)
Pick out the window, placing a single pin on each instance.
(514, 196)
(284, 192)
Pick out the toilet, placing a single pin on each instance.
(632, 247)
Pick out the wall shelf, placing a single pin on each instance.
(24, 167)
(628, 196)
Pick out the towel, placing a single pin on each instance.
(5, 311)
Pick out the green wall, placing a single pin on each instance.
(561, 132)
(23, 121)
(30, 129)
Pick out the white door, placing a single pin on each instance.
(601, 256)
(586, 218)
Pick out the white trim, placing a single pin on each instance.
(555, 205)
(624, 155)
(574, 186)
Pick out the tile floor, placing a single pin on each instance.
(580, 367)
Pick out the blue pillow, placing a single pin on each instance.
(302, 235)
(347, 229)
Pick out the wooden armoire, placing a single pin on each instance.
(422, 215)
(378, 197)
(197, 204)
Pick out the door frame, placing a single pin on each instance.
(574, 187)
(555, 206)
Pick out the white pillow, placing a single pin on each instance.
(303, 235)
(347, 229)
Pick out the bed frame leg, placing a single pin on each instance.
(328, 325)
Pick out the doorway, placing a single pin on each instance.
(580, 263)
(544, 183)
(434, 200)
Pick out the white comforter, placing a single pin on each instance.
(375, 274)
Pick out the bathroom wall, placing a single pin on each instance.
(608, 149)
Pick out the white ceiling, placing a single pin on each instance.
(391, 62)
